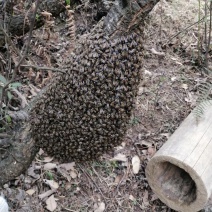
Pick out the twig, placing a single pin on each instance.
(43, 68)
(174, 36)
(4, 135)
(23, 56)
(209, 36)
(8, 39)
(206, 39)
(92, 181)
(199, 43)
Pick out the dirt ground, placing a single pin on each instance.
(167, 94)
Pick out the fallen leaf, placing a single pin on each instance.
(47, 159)
(151, 151)
(132, 198)
(49, 166)
(67, 166)
(173, 79)
(64, 173)
(119, 157)
(145, 198)
(136, 164)
(184, 86)
(73, 174)
(156, 52)
(167, 135)
(40, 152)
(30, 192)
(21, 96)
(47, 193)
(154, 197)
(118, 179)
(20, 195)
(51, 204)
(99, 207)
(46, 14)
(32, 173)
(146, 72)
(51, 183)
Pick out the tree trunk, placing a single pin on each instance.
(20, 24)
(17, 154)
(94, 98)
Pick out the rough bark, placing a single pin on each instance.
(21, 151)
(16, 154)
(20, 24)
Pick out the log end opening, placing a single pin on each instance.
(176, 183)
(180, 190)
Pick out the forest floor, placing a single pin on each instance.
(167, 94)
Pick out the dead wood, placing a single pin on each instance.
(17, 156)
(20, 24)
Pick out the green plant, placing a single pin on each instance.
(205, 95)
(49, 175)
(68, 2)
(3, 82)
(134, 120)
(205, 89)
(37, 17)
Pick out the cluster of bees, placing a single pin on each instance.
(84, 112)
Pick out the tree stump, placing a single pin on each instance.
(180, 173)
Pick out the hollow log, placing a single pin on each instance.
(180, 173)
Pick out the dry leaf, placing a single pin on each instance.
(46, 14)
(151, 151)
(119, 157)
(156, 52)
(136, 164)
(30, 192)
(51, 204)
(184, 86)
(132, 198)
(32, 173)
(40, 152)
(49, 166)
(64, 173)
(154, 197)
(145, 198)
(100, 207)
(24, 102)
(51, 183)
(173, 79)
(146, 72)
(118, 179)
(47, 160)
(47, 193)
(67, 166)
(73, 174)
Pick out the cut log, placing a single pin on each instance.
(180, 173)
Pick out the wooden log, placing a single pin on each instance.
(180, 173)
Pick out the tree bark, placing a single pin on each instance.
(17, 155)
(20, 24)
(21, 150)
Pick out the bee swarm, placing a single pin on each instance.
(84, 112)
